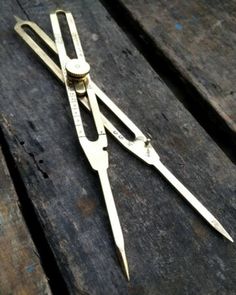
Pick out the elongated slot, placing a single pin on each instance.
(89, 125)
(66, 36)
(122, 128)
(40, 42)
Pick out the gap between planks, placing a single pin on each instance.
(201, 110)
(47, 259)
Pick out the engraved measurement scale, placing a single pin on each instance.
(76, 71)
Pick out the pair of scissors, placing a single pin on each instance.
(141, 145)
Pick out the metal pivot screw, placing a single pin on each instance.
(77, 70)
(148, 140)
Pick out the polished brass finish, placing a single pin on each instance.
(76, 69)
(96, 151)
(140, 146)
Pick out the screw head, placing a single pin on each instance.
(77, 69)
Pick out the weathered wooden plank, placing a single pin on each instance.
(164, 237)
(199, 38)
(20, 269)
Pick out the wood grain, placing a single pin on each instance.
(20, 269)
(199, 40)
(164, 237)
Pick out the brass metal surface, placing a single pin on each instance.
(96, 151)
(140, 146)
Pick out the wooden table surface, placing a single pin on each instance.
(170, 248)
(21, 271)
(196, 40)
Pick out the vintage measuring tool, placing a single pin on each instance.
(140, 146)
(76, 76)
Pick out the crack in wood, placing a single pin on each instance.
(44, 251)
(202, 111)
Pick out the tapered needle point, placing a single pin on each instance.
(224, 233)
(17, 18)
(124, 262)
(192, 200)
(218, 226)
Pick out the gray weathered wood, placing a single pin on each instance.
(164, 237)
(20, 269)
(199, 38)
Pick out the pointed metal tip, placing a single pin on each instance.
(231, 240)
(191, 199)
(18, 19)
(228, 236)
(124, 262)
(221, 230)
